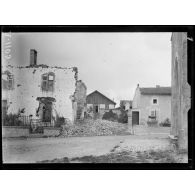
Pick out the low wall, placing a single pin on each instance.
(15, 131)
(50, 131)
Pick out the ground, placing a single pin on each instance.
(147, 145)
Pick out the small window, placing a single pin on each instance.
(154, 101)
(111, 106)
(102, 106)
(48, 82)
(51, 77)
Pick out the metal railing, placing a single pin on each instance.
(14, 120)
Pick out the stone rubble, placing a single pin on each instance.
(97, 127)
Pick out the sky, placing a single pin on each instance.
(112, 63)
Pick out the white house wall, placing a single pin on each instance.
(143, 104)
(27, 87)
(136, 99)
(163, 107)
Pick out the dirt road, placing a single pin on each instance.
(31, 150)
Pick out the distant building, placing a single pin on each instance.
(152, 103)
(126, 104)
(98, 104)
(181, 95)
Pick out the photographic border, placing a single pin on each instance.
(113, 29)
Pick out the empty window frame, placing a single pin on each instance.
(8, 80)
(48, 81)
(111, 106)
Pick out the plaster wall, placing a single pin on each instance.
(27, 87)
(181, 95)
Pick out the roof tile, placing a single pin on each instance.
(156, 91)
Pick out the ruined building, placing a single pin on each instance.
(180, 100)
(43, 92)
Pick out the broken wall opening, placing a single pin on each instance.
(45, 108)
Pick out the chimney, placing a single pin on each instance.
(33, 57)
(157, 86)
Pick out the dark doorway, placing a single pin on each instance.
(96, 109)
(135, 118)
(47, 109)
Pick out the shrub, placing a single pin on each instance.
(59, 121)
(123, 117)
(166, 123)
(110, 116)
(152, 122)
(11, 120)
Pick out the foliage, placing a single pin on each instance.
(166, 123)
(111, 116)
(152, 122)
(59, 121)
(123, 117)
(11, 120)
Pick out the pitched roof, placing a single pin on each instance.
(102, 95)
(126, 101)
(156, 91)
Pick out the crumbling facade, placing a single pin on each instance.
(181, 96)
(39, 91)
(79, 101)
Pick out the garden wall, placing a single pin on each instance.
(14, 131)
(50, 131)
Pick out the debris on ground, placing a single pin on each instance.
(90, 127)
(164, 156)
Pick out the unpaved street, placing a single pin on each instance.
(31, 150)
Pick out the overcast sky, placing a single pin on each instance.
(112, 63)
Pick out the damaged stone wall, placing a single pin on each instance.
(79, 101)
(181, 96)
(27, 88)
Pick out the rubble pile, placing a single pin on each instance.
(97, 127)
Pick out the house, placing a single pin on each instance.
(151, 104)
(126, 104)
(98, 104)
(42, 92)
(181, 95)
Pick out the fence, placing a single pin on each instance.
(39, 123)
(15, 120)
